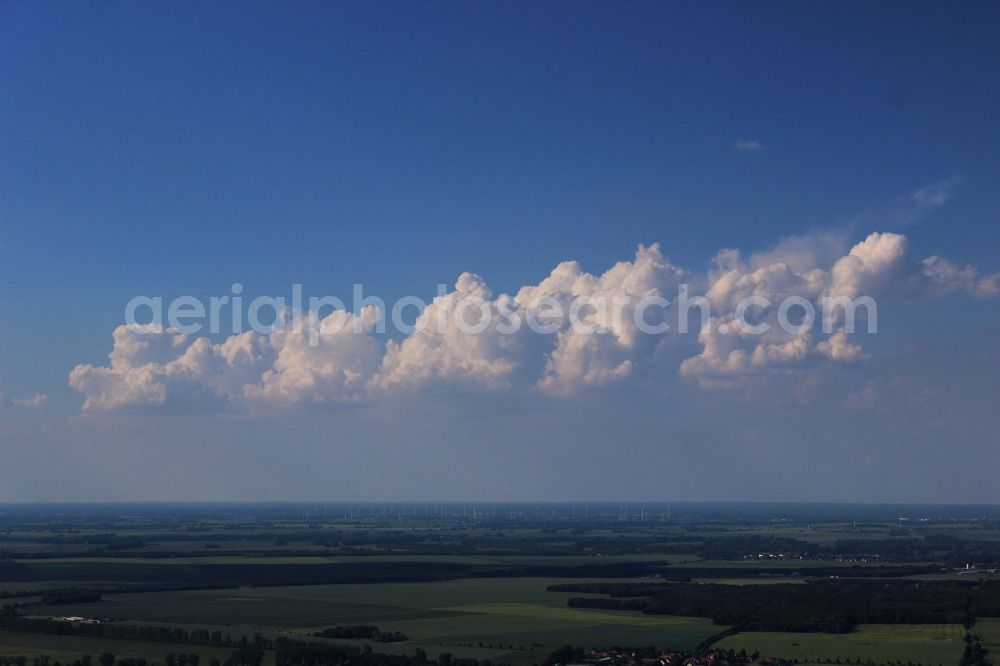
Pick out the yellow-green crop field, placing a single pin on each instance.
(929, 644)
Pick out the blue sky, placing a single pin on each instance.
(177, 148)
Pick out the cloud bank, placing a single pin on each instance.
(156, 368)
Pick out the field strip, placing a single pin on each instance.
(572, 614)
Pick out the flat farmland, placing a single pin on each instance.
(237, 570)
(785, 580)
(73, 647)
(929, 644)
(18, 575)
(988, 631)
(507, 613)
(790, 563)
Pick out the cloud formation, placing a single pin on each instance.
(910, 208)
(155, 367)
(36, 401)
(600, 348)
(879, 267)
(339, 359)
(749, 145)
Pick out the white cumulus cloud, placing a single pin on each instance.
(470, 339)
(880, 267)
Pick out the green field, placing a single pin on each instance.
(563, 560)
(930, 644)
(499, 613)
(988, 631)
(793, 563)
(751, 581)
(73, 647)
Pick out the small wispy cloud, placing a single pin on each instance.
(749, 145)
(910, 208)
(936, 194)
(35, 402)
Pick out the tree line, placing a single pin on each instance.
(833, 606)
(364, 632)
